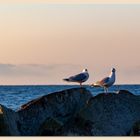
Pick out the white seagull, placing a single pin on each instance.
(79, 78)
(107, 81)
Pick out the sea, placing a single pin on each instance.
(13, 96)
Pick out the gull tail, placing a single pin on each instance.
(66, 79)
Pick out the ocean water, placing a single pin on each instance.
(15, 96)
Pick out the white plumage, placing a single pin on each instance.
(79, 78)
(107, 81)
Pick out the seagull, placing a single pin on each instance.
(107, 81)
(79, 78)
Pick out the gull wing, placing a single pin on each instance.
(104, 81)
(78, 78)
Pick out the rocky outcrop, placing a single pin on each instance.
(135, 129)
(47, 114)
(74, 112)
(8, 122)
(112, 114)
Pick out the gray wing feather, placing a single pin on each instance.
(79, 77)
(104, 81)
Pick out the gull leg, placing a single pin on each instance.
(105, 89)
(118, 88)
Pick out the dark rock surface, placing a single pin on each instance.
(112, 114)
(8, 122)
(135, 129)
(74, 112)
(57, 109)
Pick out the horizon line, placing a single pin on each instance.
(58, 84)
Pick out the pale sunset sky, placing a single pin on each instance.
(42, 43)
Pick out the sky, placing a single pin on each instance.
(72, 1)
(43, 43)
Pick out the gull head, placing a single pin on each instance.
(113, 70)
(85, 70)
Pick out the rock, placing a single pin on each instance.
(8, 122)
(135, 129)
(74, 112)
(50, 127)
(112, 114)
(125, 92)
(76, 127)
(58, 107)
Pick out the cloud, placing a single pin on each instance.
(128, 75)
(131, 70)
(35, 70)
(15, 70)
(11, 74)
(6, 69)
(54, 73)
